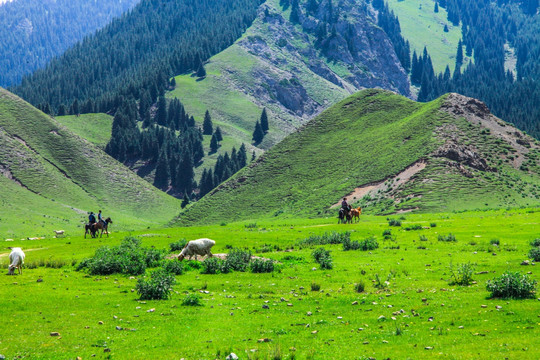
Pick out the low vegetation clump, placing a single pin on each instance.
(447, 238)
(177, 245)
(212, 266)
(387, 234)
(364, 245)
(173, 267)
(534, 253)
(512, 284)
(495, 242)
(238, 260)
(325, 239)
(315, 286)
(394, 222)
(360, 286)
(127, 258)
(323, 258)
(158, 287)
(535, 242)
(413, 227)
(192, 300)
(261, 266)
(462, 274)
(380, 284)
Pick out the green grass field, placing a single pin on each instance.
(423, 316)
(95, 128)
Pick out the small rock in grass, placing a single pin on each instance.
(119, 328)
(106, 350)
(461, 327)
(264, 340)
(354, 303)
(314, 332)
(498, 307)
(289, 304)
(54, 333)
(385, 342)
(381, 318)
(100, 322)
(525, 262)
(232, 356)
(424, 299)
(265, 306)
(340, 317)
(483, 306)
(365, 342)
(313, 269)
(309, 313)
(39, 280)
(429, 348)
(151, 310)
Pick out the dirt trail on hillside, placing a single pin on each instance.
(395, 181)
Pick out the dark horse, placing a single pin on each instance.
(103, 226)
(95, 227)
(344, 216)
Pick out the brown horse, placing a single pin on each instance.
(103, 226)
(355, 213)
(344, 216)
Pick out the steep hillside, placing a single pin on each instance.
(35, 31)
(293, 67)
(51, 178)
(389, 154)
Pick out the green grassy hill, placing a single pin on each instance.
(95, 128)
(51, 178)
(389, 154)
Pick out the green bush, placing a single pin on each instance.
(326, 238)
(462, 275)
(173, 267)
(535, 242)
(323, 257)
(262, 266)
(315, 287)
(369, 243)
(394, 222)
(433, 225)
(512, 285)
(238, 260)
(127, 258)
(423, 238)
(360, 286)
(192, 300)
(534, 253)
(448, 238)
(158, 287)
(211, 266)
(413, 227)
(495, 242)
(178, 245)
(153, 257)
(350, 245)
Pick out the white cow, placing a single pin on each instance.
(16, 259)
(197, 247)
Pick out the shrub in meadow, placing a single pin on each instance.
(360, 286)
(394, 222)
(158, 287)
(512, 284)
(535, 242)
(369, 243)
(462, 274)
(262, 266)
(177, 245)
(315, 287)
(495, 242)
(238, 260)
(127, 258)
(323, 257)
(192, 300)
(211, 266)
(173, 267)
(534, 253)
(447, 238)
(326, 238)
(153, 257)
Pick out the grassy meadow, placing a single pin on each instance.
(410, 312)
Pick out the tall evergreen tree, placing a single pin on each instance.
(258, 133)
(185, 200)
(218, 134)
(295, 12)
(459, 54)
(201, 72)
(436, 9)
(264, 121)
(208, 128)
(213, 144)
(161, 115)
(162, 175)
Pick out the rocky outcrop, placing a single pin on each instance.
(462, 155)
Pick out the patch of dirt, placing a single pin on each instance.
(394, 182)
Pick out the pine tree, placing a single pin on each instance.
(242, 156)
(445, 29)
(185, 200)
(459, 54)
(264, 121)
(207, 124)
(213, 145)
(312, 6)
(61, 110)
(218, 134)
(201, 71)
(258, 133)
(161, 115)
(436, 10)
(75, 108)
(295, 12)
(162, 176)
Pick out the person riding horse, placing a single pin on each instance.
(345, 211)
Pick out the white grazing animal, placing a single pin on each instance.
(16, 259)
(197, 247)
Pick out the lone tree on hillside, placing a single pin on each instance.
(201, 71)
(258, 133)
(459, 54)
(219, 137)
(213, 144)
(207, 124)
(264, 121)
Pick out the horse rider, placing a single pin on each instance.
(91, 218)
(100, 218)
(345, 205)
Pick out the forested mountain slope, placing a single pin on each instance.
(297, 58)
(35, 31)
(50, 178)
(501, 38)
(139, 51)
(388, 154)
